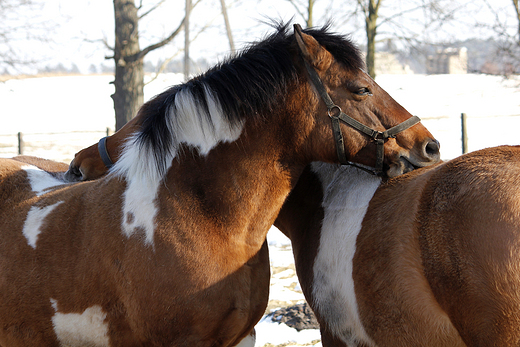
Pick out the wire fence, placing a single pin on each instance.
(457, 134)
(466, 132)
(59, 146)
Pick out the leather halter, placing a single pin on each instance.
(336, 115)
(102, 149)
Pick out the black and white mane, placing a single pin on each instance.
(213, 107)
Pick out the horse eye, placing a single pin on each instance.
(363, 92)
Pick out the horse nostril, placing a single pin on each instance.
(432, 148)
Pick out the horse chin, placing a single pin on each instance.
(406, 164)
(402, 166)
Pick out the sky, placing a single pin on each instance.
(79, 27)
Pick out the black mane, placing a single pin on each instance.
(250, 84)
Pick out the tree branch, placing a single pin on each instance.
(297, 9)
(151, 9)
(162, 43)
(363, 8)
(150, 48)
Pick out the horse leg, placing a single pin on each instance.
(329, 340)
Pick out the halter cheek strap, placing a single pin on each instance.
(102, 149)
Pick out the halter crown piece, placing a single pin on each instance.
(336, 115)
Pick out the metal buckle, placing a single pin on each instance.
(378, 135)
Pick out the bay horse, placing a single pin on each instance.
(430, 258)
(169, 248)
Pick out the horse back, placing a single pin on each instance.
(45, 256)
(396, 305)
(437, 259)
(470, 242)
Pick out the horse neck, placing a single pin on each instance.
(234, 191)
(116, 141)
(238, 188)
(322, 216)
(235, 176)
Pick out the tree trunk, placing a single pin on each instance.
(309, 13)
(515, 4)
(129, 78)
(228, 26)
(187, 41)
(371, 29)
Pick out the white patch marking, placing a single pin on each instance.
(35, 218)
(137, 163)
(86, 329)
(347, 193)
(248, 341)
(40, 180)
(139, 203)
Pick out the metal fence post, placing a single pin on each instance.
(464, 135)
(20, 143)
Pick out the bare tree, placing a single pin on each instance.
(188, 8)
(505, 34)
(407, 21)
(228, 26)
(513, 42)
(128, 58)
(370, 9)
(305, 9)
(20, 22)
(517, 10)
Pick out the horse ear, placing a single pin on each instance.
(311, 50)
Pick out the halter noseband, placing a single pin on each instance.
(102, 149)
(336, 114)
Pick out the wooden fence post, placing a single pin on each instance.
(464, 136)
(20, 143)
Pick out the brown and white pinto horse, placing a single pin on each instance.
(169, 249)
(430, 258)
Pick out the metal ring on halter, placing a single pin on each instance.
(332, 108)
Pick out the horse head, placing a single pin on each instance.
(94, 161)
(339, 82)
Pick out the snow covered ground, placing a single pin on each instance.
(82, 103)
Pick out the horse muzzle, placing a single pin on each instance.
(73, 174)
(429, 154)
